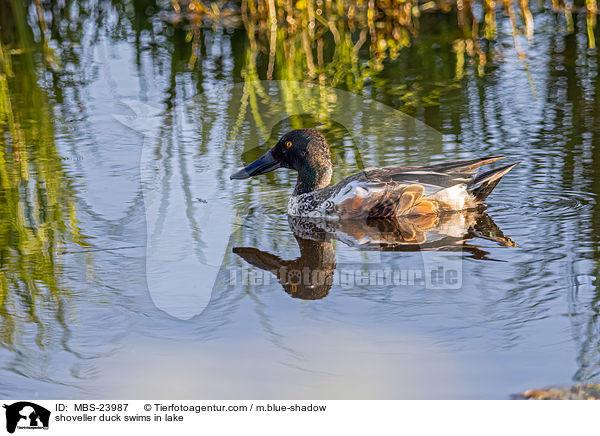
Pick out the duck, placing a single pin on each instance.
(388, 192)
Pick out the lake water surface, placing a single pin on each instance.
(123, 272)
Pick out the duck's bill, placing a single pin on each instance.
(262, 165)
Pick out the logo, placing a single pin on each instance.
(26, 415)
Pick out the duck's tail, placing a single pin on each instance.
(482, 184)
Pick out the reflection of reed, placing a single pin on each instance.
(37, 210)
(321, 39)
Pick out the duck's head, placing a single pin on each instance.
(303, 150)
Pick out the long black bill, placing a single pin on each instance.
(262, 165)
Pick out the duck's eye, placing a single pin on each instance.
(288, 144)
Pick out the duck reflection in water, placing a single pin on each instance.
(310, 276)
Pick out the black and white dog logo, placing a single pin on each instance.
(26, 415)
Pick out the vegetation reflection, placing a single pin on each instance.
(37, 207)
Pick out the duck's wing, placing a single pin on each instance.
(464, 167)
(387, 193)
(432, 177)
(404, 191)
(364, 199)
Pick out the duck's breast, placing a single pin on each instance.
(311, 205)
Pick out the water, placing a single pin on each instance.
(119, 221)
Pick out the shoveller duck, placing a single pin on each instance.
(375, 192)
